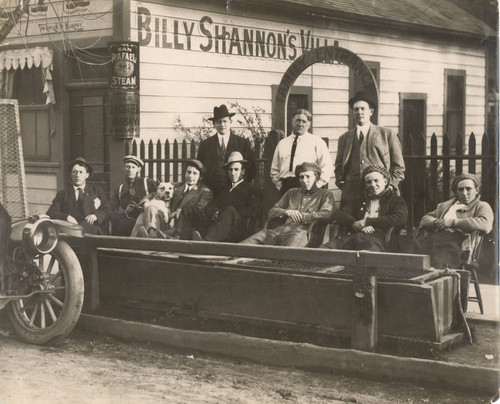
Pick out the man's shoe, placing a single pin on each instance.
(155, 233)
(197, 236)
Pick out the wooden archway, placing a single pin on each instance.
(319, 55)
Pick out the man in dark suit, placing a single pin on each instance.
(226, 217)
(212, 152)
(79, 203)
(188, 202)
(126, 197)
(364, 146)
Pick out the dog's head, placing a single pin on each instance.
(165, 191)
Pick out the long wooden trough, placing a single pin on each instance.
(362, 294)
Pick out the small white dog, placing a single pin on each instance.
(154, 218)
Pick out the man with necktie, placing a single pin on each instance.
(126, 197)
(80, 203)
(301, 146)
(363, 146)
(213, 152)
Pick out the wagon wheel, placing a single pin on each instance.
(47, 318)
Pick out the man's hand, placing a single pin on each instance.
(71, 219)
(358, 225)
(91, 219)
(176, 214)
(368, 230)
(215, 215)
(279, 185)
(295, 215)
(444, 224)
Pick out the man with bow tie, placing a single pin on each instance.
(126, 197)
(296, 210)
(80, 203)
(214, 151)
(364, 146)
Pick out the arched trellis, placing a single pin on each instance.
(320, 55)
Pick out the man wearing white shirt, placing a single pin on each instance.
(363, 146)
(300, 147)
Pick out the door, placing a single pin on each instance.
(89, 114)
(412, 121)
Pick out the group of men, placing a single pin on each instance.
(217, 202)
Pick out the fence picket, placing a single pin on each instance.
(159, 164)
(446, 166)
(472, 152)
(176, 158)
(167, 161)
(459, 151)
(433, 181)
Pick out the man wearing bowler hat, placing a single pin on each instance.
(214, 151)
(226, 217)
(364, 146)
(80, 203)
(126, 197)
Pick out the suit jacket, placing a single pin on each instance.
(243, 198)
(121, 196)
(195, 200)
(65, 204)
(208, 155)
(392, 212)
(382, 148)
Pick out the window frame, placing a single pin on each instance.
(453, 136)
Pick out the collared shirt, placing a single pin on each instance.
(365, 129)
(310, 148)
(76, 191)
(373, 208)
(235, 185)
(188, 188)
(225, 137)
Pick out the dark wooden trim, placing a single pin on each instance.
(454, 72)
(411, 96)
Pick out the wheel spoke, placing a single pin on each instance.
(51, 311)
(33, 314)
(51, 264)
(40, 262)
(42, 319)
(53, 278)
(56, 300)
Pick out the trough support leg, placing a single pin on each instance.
(364, 331)
(91, 277)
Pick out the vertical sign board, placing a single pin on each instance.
(124, 89)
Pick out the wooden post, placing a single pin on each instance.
(91, 277)
(364, 329)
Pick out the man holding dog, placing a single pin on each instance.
(363, 146)
(297, 209)
(80, 203)
(126, 197)
(213, 152)
(225, 218)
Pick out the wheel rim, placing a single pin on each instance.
(41, 312)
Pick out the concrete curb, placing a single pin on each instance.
(302, 355)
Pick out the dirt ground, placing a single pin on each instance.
(91, 369)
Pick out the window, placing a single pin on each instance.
(27, 87)
(355, 86)
(413, 120)
(300, 98)
(454, 104)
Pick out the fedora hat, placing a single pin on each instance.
(82, 162)
(235, 157)
(362, 96)
(133, 159)
(196, 164)
(221, 112)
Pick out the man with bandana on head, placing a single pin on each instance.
(297, 209)
(449, 225)
(380, 211)
(126, 197)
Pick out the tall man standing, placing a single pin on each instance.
(213, 151)
(363, 146)
(301, 146)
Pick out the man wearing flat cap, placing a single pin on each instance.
(126, 197)
(214, 151)
(189, 201)
(296, 210)
(80, 203)
(226, 217)
(366, 227)
(366, 145)
(448, 227)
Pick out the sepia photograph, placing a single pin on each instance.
(249, 201)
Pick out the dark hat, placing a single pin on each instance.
(461, 177)
(196, 164)
(221, 112)
(133, 159)
(82, 162)
(307, 167)
(362, 96)
(377, 169)
(235, 157)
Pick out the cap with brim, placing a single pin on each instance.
(307, 167)
(462, 177)
(81, 161)
(235, 157)
(133, 159)
(197, 164)
(362, 96)
(377, 169)
(221, 112)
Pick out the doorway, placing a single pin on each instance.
(413, 121)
